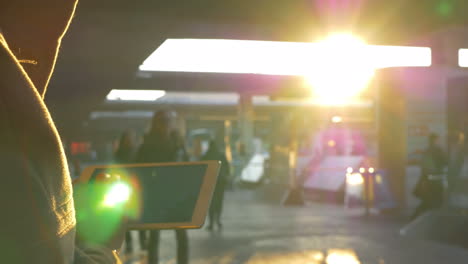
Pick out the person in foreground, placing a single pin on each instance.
(38, 222)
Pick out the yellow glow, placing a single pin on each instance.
(349, 170)
(342, 257)
(331, 143)
(293, 154)
(337, 119)
(362, 170)
(354, 179)
(341, 70)
(378, 178)
(371, 170)
(318, 257)
(227, 140)
(118, 193)
(308, 257)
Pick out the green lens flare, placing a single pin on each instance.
(119, 193)
(445, 8)
(100, 209)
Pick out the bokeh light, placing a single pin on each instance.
(378, 178)
(337, 119)
(444, 8)
(354, 179)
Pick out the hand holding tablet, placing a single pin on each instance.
(149, 196)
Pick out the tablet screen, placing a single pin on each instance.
(166, 193)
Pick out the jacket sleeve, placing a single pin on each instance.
(39, 222)
(35, 192)
(96, 255)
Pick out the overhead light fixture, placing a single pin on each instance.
(267, 57)
(120, 114)
(135, 95)
(400, 56)
(463, 57)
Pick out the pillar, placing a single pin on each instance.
(294, 195)
(246, 122)
(392, 135)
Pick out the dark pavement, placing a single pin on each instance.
(257, 233)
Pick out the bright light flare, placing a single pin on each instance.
(119, 193)
(341, 70)
(135, 95)
(338, 68)
(354, 179)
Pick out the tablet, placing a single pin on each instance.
(168, 195)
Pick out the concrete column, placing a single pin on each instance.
(392, 135)
(246, 122)
(293, 196)
(182, 124)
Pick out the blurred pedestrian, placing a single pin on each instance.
(430, 187)
(164, 144)
(457, 161)
(216, 207)
(125, 154)
(197, 150)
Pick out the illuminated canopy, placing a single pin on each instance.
(135, 95)
(463, 57)
(267, 57)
